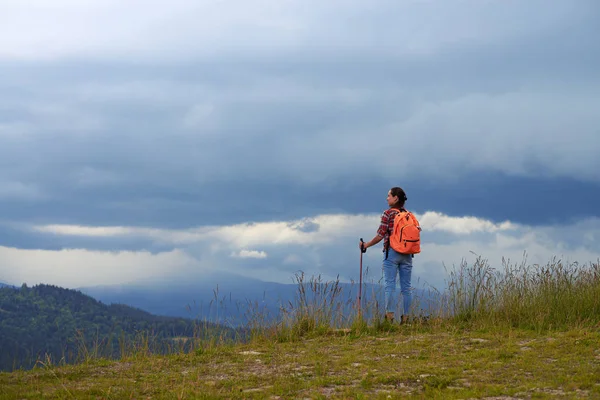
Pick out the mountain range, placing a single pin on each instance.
(234, 300)
(222, 301)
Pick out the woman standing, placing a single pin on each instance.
(394, 263)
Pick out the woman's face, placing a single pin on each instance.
(391, 200)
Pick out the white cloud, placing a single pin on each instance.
(330, 250)
(74, 230)
(249, 254)
(80, 267)
(187, 29)
(69, 29)
(435, 221)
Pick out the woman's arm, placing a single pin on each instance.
(372, 242)
(381, 231)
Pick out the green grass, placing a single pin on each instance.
(538, 297)
(444, 363)
(517, 332)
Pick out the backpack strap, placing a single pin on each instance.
(398, 211)
(410, 214)
(394, 217)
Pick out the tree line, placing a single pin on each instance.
(50, 323)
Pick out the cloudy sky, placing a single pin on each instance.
(145, 139)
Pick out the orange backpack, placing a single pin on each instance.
(405, 238)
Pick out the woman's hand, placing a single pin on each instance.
(362, 246)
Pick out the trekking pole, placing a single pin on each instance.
(362, 250)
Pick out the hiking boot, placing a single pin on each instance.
(389, 317)
(403, 319)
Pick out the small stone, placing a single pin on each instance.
(478, 340)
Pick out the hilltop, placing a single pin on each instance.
(521, 332)
(48, 322)
(399, 362)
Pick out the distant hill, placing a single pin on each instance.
(2, 284)
(231, 299)
(227, 301)
(65, 324)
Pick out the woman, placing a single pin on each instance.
(394, 262)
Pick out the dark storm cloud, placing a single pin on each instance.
(464, 113)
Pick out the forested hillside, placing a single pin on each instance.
(48, 321)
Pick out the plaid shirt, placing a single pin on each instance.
(387, 225)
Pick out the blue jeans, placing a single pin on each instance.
(395, 264)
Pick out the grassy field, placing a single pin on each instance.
(519, 332)
(405, 362)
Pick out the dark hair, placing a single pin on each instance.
(399, 192)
